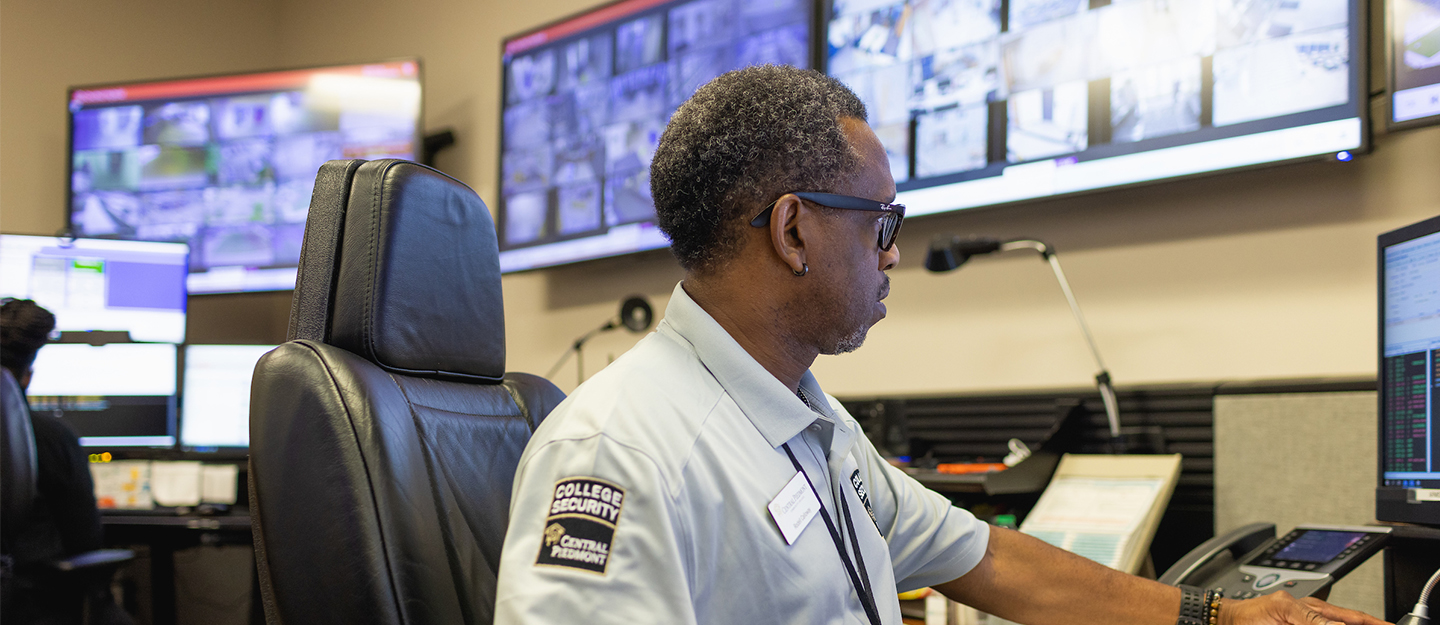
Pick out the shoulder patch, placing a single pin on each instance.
(580, 528)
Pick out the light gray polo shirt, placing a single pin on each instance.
(643, 498)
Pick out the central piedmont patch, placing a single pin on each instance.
(581, 526)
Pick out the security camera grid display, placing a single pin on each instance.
(585, 107)
(227, 164)
(960, 89)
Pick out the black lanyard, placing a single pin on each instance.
(860, 580)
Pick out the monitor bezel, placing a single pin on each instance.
(1392, 502)
(419, 138)
(816, 9)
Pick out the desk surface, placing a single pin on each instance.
(236, 520)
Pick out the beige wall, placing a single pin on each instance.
(47, 46)
(1260, 274)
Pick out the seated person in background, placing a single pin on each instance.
(704, 477)
(64, 520)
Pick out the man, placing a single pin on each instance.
(704, 477)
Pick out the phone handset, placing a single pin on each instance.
(1218, 552)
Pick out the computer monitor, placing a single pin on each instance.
(586, 100)
(115, 395)
(215, 396)
(227, 163)
(1409, 262)
(98, 284)
(1413, 49)
(984, 102)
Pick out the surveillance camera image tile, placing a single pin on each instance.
(586, 103)
(227, 163)
(959, 93)
(1415, 82)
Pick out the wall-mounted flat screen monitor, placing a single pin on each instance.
(100, 285)
(227, 163)
(1409, 489)
(984, 102)
(585, 102)
(114, 395)
(1414, 52)
(215, 395)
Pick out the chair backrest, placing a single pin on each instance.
(17, 458)
(385, 434)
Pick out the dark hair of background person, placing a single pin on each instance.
(739, 143)
(24, 329)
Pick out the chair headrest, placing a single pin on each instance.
(418, 287)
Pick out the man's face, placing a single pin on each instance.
(850, 277)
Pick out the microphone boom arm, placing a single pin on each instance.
(1102, 379)
(577, 349)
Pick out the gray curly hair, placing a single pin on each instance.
(741, 141)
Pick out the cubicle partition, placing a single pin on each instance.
(1157, 419)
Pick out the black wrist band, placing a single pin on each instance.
(1194, 607)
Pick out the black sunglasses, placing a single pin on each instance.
(889, 228)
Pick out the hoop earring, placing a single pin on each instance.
(804, 269)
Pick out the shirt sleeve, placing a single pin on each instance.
(562, 562)
(931, 541)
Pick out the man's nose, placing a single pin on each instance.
(890, 258)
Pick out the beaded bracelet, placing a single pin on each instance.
(1212, 601)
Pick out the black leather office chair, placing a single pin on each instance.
(385, 434)
(17, 463)
(86, 574)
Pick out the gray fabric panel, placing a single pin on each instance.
(1301, 458)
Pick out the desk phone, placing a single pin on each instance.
(1250, 561)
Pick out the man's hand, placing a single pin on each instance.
(1282, 609)
(1028, 581)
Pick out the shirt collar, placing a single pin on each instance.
(775, 411)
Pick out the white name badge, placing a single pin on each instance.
(794, 507)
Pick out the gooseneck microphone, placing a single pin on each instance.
(636, 315)
(948, 252)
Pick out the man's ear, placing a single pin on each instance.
(787, 236)
(24, 380)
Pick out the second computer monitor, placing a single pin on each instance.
(215, 405)
(1409, 263)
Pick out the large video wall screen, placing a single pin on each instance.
(984, 102)
(585, 103)
(227, 163)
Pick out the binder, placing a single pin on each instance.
(1105, 508)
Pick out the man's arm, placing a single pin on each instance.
(1026, 580)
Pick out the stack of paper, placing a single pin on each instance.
(141, 484)
(122, 484)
